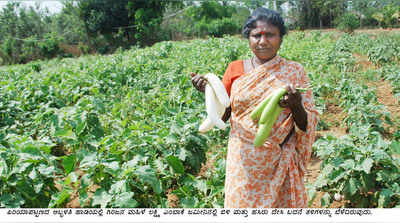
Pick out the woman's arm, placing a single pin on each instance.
(292, 100)
(227, 114)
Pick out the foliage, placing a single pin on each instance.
(25, 34)
(68, 24)
(110, 17)
(316, 13)
(210, 18)
(217, 27)
(362, 167)
(385, 52)
(348, 22)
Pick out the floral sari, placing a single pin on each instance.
(268, 176)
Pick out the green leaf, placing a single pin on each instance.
(30, 154)
(322, 179)
(395, 146)
(83, 197)
(86, 180)
(160, 165)
(325, 200)
(384, 198)
(336, 175)
(367, 164)
(188, 202)
(118, 187)
(176, 164)
(311, 194)
(46, 171)
(125, 200)
(38, 185)
(65, 134)
(147, 175)
(69, 163)
(367, 181)
(59, 198)
(11, 201)
(112, 167)
(90, 160)
(101, 197)
(352, 186)
(21, 167)
(361, 202)
(201, 185)
(3, 168)
(73, 177)
(134, 162)
(5, 199)
(348, 164)
(33, 174)
(383, 175)
(182, 154)
(80, 127)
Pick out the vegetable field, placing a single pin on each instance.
(122, 130)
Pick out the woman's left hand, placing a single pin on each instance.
(292, 100)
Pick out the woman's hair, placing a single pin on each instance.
(262, 14)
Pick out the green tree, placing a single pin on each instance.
(25, 34)
(122, 22)
(389, 12)
(318, 13)
(348, 22)
(253, 4)
(328, 11)
(68, 24)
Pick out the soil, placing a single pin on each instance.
(71, 49)
(363, 64)
(173, 200)
(74, 199)
(386, 97)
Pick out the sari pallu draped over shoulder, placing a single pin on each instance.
(268, 176)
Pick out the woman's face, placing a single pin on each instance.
(265, 41)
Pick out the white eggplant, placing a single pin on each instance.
(215, 111)
(219, 89)
(206, 125)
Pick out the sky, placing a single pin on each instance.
(53, 6)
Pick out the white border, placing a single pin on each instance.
(309, 215)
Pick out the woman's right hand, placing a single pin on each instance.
(199, 82)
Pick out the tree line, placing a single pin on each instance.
(98, 26)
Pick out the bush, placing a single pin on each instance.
(347, 23)
(49, 47)
(200, 28)
(219, 27)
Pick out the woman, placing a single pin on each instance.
(271, 175)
